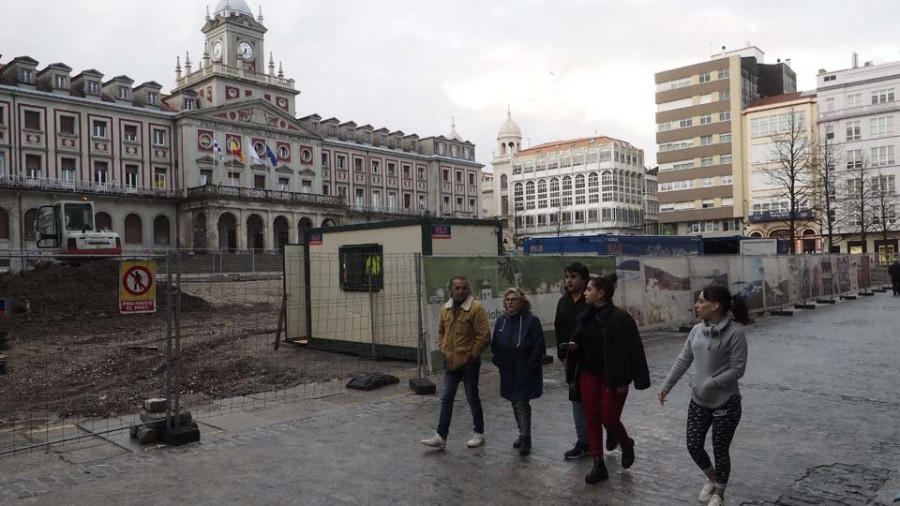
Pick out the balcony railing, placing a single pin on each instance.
(221, 68)
(84, 187)
(386, 210)
(768, 216)
(238, 193)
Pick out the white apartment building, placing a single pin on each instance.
(858, 114)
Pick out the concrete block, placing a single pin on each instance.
(185, 416)
(866, 294)
(825, 301)
(183, 434)
(848, 297)
(804, 306)
(781, 312)
(422, 386)
(155, 405)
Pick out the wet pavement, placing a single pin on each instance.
(821, 426)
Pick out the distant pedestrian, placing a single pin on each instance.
(463, 334)
(570, 306)
(718, 350)
(518, 348)
(894, 271)
(609, 355)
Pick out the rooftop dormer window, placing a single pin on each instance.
(92, 88)
(26, 76)
(188, 104)
(152, 98)
(60, 82)
(123, 92)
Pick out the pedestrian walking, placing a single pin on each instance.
(718, 351)
(518, 349)
(894, 271)
(609, 355)
(570, 306)
(463, 334)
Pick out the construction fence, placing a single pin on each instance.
(75, 366)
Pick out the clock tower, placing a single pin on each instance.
(235, 38)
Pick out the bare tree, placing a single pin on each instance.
(857, 204)
(825, 181)
(884, 215)
(791, 172)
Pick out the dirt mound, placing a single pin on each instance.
(68, 291)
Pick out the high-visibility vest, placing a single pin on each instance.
(373, 265)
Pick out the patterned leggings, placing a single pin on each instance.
(522, 412)
(724, 421)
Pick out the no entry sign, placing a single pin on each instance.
(137, 286)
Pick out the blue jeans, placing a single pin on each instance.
(468, 374)
(580, 423)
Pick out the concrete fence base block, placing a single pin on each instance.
(825, 301)
(155, 405)
(848, 297)
(866, 294)
(781, 312)
(804, 306)
(879, 290)
(183, 434)
(422, 386)
(146, 435)
(685, 328)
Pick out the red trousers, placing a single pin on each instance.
(602, 408)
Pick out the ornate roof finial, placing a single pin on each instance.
(280, 70)
(207, 13)
(271, 64)
(177, 67)
(260, 17)
(508, 112)
(187, 62)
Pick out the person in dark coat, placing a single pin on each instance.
(894, 271)
(518, 349)
(570, 305)
(609, 356)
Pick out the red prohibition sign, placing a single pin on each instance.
(138, 280)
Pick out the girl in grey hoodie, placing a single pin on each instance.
(718, 350)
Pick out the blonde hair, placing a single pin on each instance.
(526, 304)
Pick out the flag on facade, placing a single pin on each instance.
(236, 150)
(218, 149)
(271, 155)
(254, 157)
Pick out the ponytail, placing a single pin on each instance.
(740, 311)
(736, 304)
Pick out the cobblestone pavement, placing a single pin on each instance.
(820, 427)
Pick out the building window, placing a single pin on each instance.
(306, 186)
(882, 96)
(725, 116)
(854, 159)
(206, 177)
(883, 155)
(421, 173)
(459, 177)
(325, 163)
(26, 76)
(854, 100)
(376, 198)
(724, 74)
(152, 98)
(259, 181)
(829, 104)
(853, 131)
(422, 206)
(101, 173)
(326, 189)
(67, 125)
(234, 179)
(131, 176)
(159, 178)
(726, 180)
(284, 184)
(725, 95)
(33, 166)
(376, 167)
(708, 203)
(60, 82)
(472, 205)
(130, 133)
(554, 192)
(361, 268)
(284, 153)
(67, 169)
(391, 169)
(829, 132)
(706, 182)
(723, 138)
(98, 129)
(725, 159)
(705, 119)
(341, 162)
(123, 93)
(407, 172)
(92, 88)
(33, 121)
(471, 178)
(706, 140)
(706, 161)
(881, 126)
(159, 137)
(704, 78)
(357, 165)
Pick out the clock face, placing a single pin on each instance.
(245, 51)
(217, 51)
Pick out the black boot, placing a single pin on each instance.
(518, 442)
(611, 442)
(598, 472)
(525, 447)
(628, 453)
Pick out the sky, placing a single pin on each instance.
(565, 68)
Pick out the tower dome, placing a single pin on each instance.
(224, 7)
(454, 135)
(509, 128)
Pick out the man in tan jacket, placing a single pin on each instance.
(463, 335)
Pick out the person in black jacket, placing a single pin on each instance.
(894, 271)
(518, 349)
(570, 305)
(609, 356)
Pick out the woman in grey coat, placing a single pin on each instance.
(718, 351)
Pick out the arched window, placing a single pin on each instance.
(554, 192)
(542, 194)
(608, 186)
(4, 224)
(593, 188)
(133, 232)
(579, 190)
(28, 223)
(529, 195)
(161, 230)
(518, 197)
(566, 191)
(103, 222)
(504, 182)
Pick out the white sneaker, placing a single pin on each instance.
(707, 492)
(716, 500)
(476, 441)
(435, 441)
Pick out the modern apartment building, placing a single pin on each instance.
(702, 188)
(779, 147)
(858, 111)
